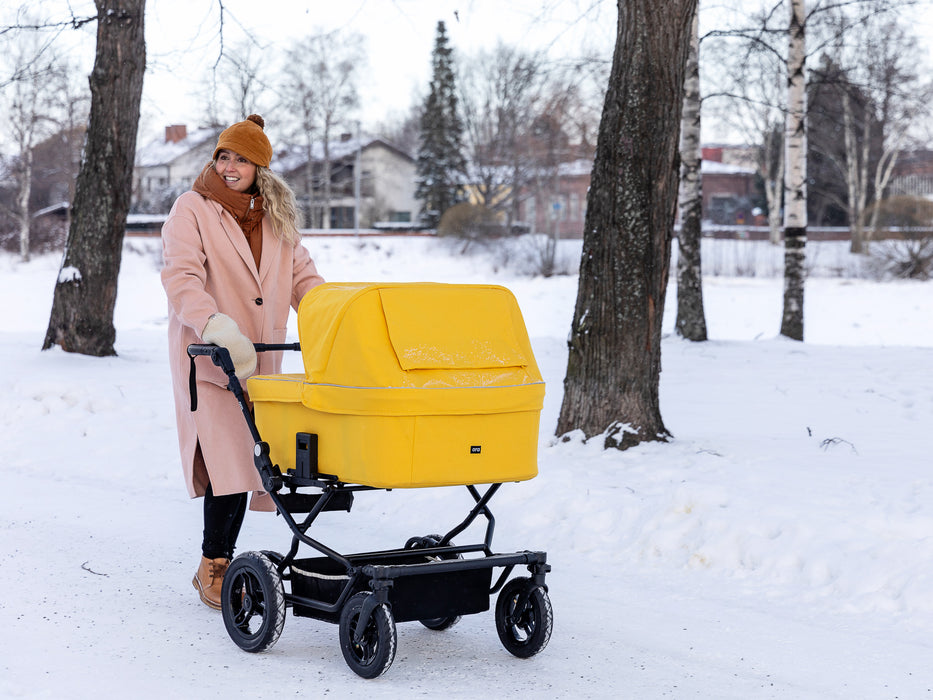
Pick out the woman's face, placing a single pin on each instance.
(237, 172)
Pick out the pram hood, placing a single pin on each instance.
(415, 348)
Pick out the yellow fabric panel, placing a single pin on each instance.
(451, 327)
(406, 451)
(276, 387)
(411, 401)
(414, 334)
(474, 449)
(320, 315)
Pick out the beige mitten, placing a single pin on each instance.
(223, 331)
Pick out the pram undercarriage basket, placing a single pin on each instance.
(404, 366)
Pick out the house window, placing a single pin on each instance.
(403, 216)
(341, 217)
(574, 206)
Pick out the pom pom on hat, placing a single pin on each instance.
(248, 139)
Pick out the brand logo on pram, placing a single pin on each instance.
(475, 449)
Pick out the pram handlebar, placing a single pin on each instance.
(220, 356)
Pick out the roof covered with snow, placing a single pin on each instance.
(162, 152)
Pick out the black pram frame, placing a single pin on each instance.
(428, 580)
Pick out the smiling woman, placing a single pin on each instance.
(234, 264)
(238, 172)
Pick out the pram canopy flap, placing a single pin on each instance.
(469, 328)
(426, 335)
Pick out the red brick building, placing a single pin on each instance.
(728, 192)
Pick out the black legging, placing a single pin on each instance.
(223, 516)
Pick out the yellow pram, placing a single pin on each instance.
(408, 385)
(404, 385)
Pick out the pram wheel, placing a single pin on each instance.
(372, 655)
(253, 602)
(438, 624)
(524, 618)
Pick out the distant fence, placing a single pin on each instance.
(145, 225)
(151, 226)
(814, 233)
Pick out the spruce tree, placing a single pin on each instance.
(441, 167)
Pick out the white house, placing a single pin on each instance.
(167, 167)
(382, 188)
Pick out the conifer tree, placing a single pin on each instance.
(441, 167)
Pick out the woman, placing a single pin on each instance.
(234, 264)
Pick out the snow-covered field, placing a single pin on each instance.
(781, 546)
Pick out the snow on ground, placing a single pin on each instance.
(781, 546)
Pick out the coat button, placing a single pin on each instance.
(258, 301)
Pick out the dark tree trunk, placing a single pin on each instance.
(86, 291)
(614, 362)
(795, 240)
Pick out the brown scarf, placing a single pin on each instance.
(245, 208)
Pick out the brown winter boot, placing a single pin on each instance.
(209, 579)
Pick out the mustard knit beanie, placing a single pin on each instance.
(247, 139)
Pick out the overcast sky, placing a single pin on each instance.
(183, 43)
(183, 40)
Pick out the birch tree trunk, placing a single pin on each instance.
(86, 291)
(883, 172)
(795, 182)
(614, 359)
(691, 321)
(27, 105)
(325, 176)
(22, 202)
(773, 175)
(856, 169)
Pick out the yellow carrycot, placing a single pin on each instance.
(408, 385)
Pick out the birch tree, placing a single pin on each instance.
(34, 71)
(880, 92)
(614, 358)
(795, 179)
(691, 321)
(335, 60)
(299, 99)
(238, 83)
(749, 93)
(500, 97)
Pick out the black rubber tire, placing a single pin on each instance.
(524, 618)
(375, 652)
(438, 624)
(420, 542)
(252, 601)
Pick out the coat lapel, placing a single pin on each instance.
(235, 234)
(271, 245)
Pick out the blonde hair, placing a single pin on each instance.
(279, 201)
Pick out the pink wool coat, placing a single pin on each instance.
(209, 269)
